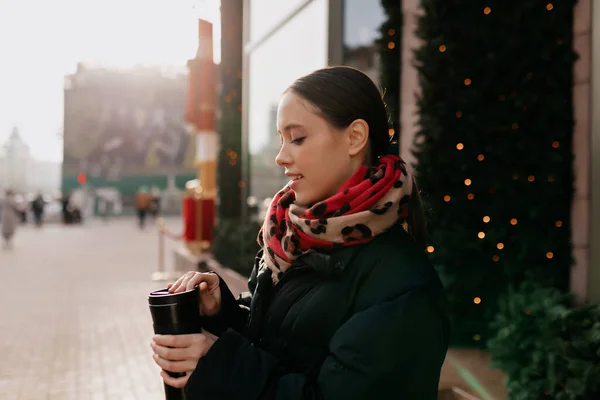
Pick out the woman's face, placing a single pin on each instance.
(317, 157)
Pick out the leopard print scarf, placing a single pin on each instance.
(369, 203)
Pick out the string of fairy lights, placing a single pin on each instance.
(486, 219)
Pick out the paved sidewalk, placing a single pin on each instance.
(74, 320)
(75, 324)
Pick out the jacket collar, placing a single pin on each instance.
(328, 263)
(336, 260)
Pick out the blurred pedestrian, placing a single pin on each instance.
(21, 207)
(37, 207)
(155, 202)
(66, 212)
(143, 201)
(9, 219)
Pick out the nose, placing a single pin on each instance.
(283, 158)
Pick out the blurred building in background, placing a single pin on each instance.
(22, 173)
(124, 129)
(44, 176)
(15, 163)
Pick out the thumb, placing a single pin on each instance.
(210, 294)
(209, 283)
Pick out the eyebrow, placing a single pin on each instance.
(290, 126)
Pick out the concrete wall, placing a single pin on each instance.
(593, 285)
(580, 213)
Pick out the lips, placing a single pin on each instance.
(295, 180)
(294, 177)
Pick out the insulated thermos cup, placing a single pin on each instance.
(175, 314)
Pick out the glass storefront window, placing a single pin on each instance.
(265, 14)
(291, 52)
(362, 20)
(371, 43)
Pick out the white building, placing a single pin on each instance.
(21, 173)
(44, 176)
(15, 162)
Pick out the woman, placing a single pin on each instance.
(9, 218)
(344, 303)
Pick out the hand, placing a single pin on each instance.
(180, 353)
(208, 284)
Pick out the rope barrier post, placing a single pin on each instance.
(160, 274)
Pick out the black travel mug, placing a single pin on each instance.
(175, 314)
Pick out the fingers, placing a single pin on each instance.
(209, 335)
(169, 353)
(175, 382)
(201, 277)
(180, 284)
(174, 366)
(175, 285)
(192, 279)
(179, 353)
(178, 341)
(209, 284)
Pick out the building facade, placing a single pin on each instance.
(126, 129)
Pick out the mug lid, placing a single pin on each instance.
(162, 296)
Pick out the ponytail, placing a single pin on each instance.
(416, 222)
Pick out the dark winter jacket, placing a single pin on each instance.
(360, 322)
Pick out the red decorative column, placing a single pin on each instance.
(200, 194)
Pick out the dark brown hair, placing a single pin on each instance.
(343, 95)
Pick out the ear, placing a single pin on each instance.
(358, 136)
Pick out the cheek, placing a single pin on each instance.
(326, 169)
(320, 160)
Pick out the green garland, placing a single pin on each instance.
(390, 44)
(547, 349)
(494, 149)
(229, 173)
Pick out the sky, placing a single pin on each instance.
(41, 41)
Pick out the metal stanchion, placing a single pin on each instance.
(161, 274)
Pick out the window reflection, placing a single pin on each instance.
(265, 14)
(291, 52)
(371, 43)
(362, 21)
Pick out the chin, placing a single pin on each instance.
(305, 201)
(301, 200)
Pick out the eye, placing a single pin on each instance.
(298, 140)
